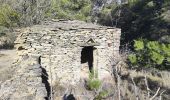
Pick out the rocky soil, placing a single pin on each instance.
(6, 59)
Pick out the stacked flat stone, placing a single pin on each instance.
(57, 47)
(26, 84)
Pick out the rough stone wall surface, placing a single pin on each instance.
(60, 43)
(26, 84)
(51, 53)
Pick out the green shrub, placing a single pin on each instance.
(101, 95)
(93, 84)
(3, 31)
(150, 4)
(80, 16)
(8, 16)
(93, 74)
(7, 39)
(106, 14)
(132, 2)
(70, 9)
(157, 57)
(150, 54)
(86, 10)
(132, 58)
(138, 45)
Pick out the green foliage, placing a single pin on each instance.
(3, 31)
(132, 2)
(148, 19)
(150, 4)
(132, 58)
(168, 60)
(105, 15)
(150, 54)
(166, 49)
(8, 16)
(93, 84)
(166, 2)
(153, 45)
(101, 95)
(157, 57)
(70, 9)
(93, 74)
(86, 10)
(138, 45)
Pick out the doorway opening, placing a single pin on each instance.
(87, 57)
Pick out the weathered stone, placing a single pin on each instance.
(54, 52)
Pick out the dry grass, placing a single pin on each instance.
(133, 86)
(7, 41)
(5, 74)
(163, 77)
(6, 59)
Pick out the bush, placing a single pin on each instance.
(3, 31)
(93, 84)
(132, 58)
(7, 38)
(150, 54)
(106, 16)
(70, 9)
(8, 16)
(101, 95)
(7, 41)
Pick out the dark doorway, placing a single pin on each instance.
(87, 56)
(69, 97)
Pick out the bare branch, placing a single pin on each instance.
(148, 89)
(155, 94)
(118, 80)
(160, 97)
(136, 93)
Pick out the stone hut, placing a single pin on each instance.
(69, 50)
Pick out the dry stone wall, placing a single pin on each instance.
(26, 83)
(59, 45)
(52, 53)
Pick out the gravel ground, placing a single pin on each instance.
(6, 59)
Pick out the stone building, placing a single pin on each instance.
(60, 53)
(69, 50)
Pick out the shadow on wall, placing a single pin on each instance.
(87, 56)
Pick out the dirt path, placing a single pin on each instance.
(6, 59)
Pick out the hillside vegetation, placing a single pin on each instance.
(148, 24)
(28, 12)
(145, 28)
(22, 13)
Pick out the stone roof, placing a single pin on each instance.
(72, 25)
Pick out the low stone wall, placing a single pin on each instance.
(26, 83)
